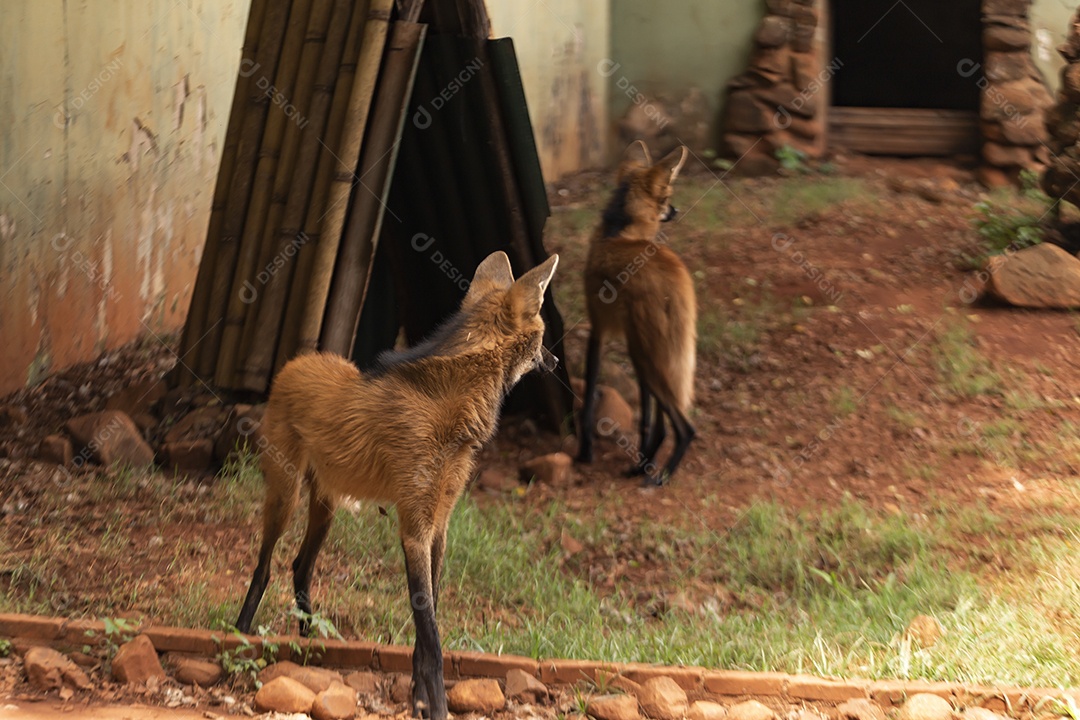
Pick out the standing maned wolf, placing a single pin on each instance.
(406, 433)
(638, 288)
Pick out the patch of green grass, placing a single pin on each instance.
(734, 335)
(844, 401)
(806, 196)
(963, 370)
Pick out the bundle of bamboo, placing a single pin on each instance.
(305, 180)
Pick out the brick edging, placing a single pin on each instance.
(27, 630)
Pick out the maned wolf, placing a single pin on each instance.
(406, 433)
(638, 288)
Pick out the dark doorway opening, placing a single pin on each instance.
(904, 54)
(903, 83)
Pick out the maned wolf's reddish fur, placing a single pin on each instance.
(638, 288)
(406, 433)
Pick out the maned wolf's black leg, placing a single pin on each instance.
(429, 691)
(656, 439)
(320, 513)
(684, 433)
(588, 411)
(259, 581)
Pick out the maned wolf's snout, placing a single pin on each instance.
(548, 361)
(672, 211)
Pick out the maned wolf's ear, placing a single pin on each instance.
(527, 294)
(493, 273)
(669, 166)
(636, 155)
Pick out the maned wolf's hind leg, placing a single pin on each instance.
(429, 692)
(652, 430)
(282, 493)
(684, 433)
(588, 411)
(320, 514)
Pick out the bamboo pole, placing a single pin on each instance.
(318, 68)
(341, 89)
(196, 322)
(240, 183)
(350, 280)
(242, 298)
(371, 49)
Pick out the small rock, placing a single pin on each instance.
(992, 177)
(495, 481)
(47, 669)
(705, 710)
(980, 713)
(137, 661)
(861, 709)
(1040, 276)
(203, 422)
(275, 670)
(12, 416)
(481, 696)
(613, 707)
(570, 545)
(284, 695)
(552, 469)
(400, 688)
(56, 449)
(662, 698)
(112, 437)
(137, 398)
(188, 455)
(196, 671)
(614, 416)
(240, 432)
(925, 706)
(315, 679)
(337, 702)
(523, 687)
(924, 630)
(750, 710)
(363, 682)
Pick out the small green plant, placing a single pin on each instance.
(246, 658)
(5, 648)
(792, 159)
(1003, 230)
(321, 628)
(117, 631)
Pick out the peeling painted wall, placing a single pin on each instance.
(560, 46)
(112, 116)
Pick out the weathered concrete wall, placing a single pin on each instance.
(662, 48)
(560, 44)
(1050, 21)
(112, 116)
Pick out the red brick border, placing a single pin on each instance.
(28, 630)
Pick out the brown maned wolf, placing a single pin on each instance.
(406, 433)
(638, 288)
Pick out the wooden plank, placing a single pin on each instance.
(326, 252)
(350, 279)
(904, 131)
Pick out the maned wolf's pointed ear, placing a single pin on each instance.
(636, 155)
(672, 163)
(527, 295)
(493, 273)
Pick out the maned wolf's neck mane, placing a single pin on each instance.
(429, 347)
(615, 219)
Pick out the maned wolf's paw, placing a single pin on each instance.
(656, 480)
(635, 471)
